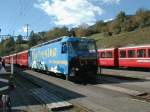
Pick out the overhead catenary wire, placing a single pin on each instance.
(24, 8)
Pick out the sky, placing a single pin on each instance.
(44, 15)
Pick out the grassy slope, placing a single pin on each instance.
(138, 37)
(25, 46)
(22, 46)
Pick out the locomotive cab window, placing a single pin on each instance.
(141, 53)
(122, 54)
(64, 48)
(131, 53)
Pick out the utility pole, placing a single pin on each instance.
(0, 32)
(13, 35)
(27, 30)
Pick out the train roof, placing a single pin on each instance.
(140, 46)
(5, 56)
(13, 54)
(63, 39)
(22, 52)
(105, 49)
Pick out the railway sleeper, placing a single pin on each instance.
(50, 100)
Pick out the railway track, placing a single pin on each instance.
(89, 97)
(29, 84)
(22, 100)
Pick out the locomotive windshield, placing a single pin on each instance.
(83, 47)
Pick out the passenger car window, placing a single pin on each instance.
(141, 53)
(109, 54)
(99, 54)
(148, 52)
(122, 54)
(131, 53)
(102, 54)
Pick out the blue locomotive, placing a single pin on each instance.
(70, 56)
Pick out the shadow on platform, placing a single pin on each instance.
(57, 91)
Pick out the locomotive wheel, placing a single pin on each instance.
(91, 77)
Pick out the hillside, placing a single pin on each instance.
(137, 37)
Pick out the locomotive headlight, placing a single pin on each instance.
(77, 69)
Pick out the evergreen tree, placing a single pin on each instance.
(19, 39)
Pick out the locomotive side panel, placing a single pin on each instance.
(49, 58)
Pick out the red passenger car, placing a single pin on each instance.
(22, 58)
(137, 57)
(108, 57)
(7, 59)
(14, 56)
